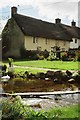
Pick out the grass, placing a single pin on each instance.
(72, 111)
(22, 70)
(60, 65)
(13, 109)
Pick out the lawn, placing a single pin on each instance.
(60, 65)
(67, 112)
(30, 70)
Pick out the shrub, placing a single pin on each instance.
(53, 56)
(45, 53)
(78, 59)
(10, 61)
(33, 54)
(71, 53)
(64, 58)
(13, 109)
(23, 52)
(4, 67)
(40, 57)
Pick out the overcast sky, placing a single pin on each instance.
(47, 10)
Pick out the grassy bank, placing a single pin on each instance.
(70, 65)
(13, 109)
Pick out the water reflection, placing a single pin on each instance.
(35, 86)
(47, 101)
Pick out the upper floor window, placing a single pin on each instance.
(46, 41)
(75, 40)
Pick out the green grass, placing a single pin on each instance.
(13, 109)
(60, 65)
(72, 111)
(22, 70)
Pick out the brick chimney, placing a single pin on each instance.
(73, 23)
(57, 21)
(13, 11)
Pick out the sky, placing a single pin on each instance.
(47, 10)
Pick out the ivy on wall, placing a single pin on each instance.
(6, 36)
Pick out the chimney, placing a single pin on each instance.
(57, 21)
(13, 11)
(73, 23)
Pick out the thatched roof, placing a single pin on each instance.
(38, 28)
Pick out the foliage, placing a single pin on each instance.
(10, 61)
(78, 55)
(4, 67)
(6, 34)
(33, 54)
(69, 56)
(52, 56)
(40, 57)
(64, 57)
(14, 109)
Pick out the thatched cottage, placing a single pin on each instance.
(24, 32)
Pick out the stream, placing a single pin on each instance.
(46, 101)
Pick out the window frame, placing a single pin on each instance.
(75, 40)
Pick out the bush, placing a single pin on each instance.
(10, 61)
(4, 67)
(71, 53)
(78, 59)
(53, 56)
(40, 57)
(33, 54)
(23, 52)
(13, 109)
(45, 53)
(64, 58)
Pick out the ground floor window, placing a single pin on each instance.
(63, 49)
(39, 48)
(35, 39)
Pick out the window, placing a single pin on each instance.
(75, 40)
(36, 39)
(39, 48)
(46, 41)
(33, 39)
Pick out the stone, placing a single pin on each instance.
(69, 73)
(49, 74)
(72, 80)
(75, 74)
